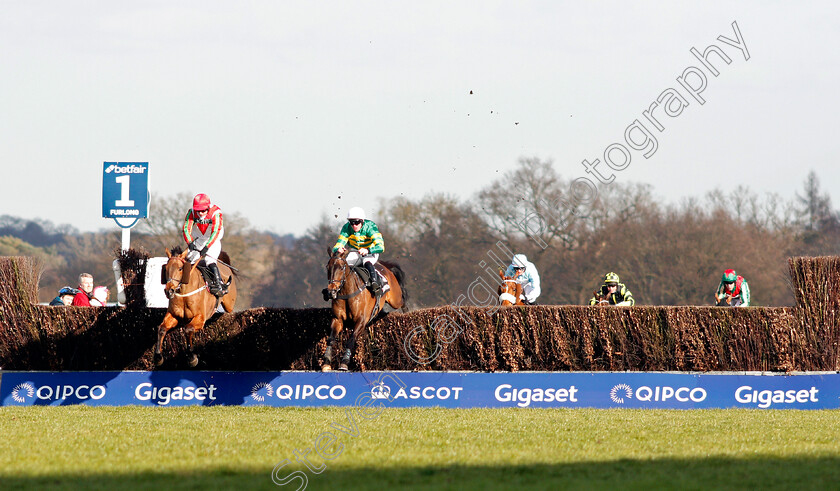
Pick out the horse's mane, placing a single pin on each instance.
(399, 275)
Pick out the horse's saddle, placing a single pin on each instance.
(205, 272)
(365, 275)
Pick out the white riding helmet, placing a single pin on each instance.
(519, 260)
(356, 213)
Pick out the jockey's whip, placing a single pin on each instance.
(228, 265)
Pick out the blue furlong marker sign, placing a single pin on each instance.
(125, 189)
(424, 389)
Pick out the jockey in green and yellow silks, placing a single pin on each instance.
(362, 238)
(613, 292)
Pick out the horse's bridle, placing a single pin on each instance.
(171, 292)
(333, 292)
(507, 296)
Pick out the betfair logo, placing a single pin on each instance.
(126, 169)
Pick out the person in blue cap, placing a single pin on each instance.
(65, 297)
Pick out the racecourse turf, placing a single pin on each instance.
(117, 448)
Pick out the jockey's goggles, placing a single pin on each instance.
(355, 222)
(610, 285)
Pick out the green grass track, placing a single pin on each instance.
(117, 448)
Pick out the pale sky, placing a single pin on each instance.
(275, 109)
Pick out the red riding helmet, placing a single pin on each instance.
(201, 202)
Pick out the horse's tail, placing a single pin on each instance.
(400, 276)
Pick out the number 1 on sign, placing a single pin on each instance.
(124, 201)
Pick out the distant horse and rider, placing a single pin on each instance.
(510, 290)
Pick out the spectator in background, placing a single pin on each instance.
(65, 297)
(82, 299)
(99, 296)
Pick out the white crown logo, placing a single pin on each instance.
(380, 391)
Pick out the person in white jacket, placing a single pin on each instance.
(528, 277)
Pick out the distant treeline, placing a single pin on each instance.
(451, 249)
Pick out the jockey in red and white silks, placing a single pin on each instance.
(208, 241)
(208, 219)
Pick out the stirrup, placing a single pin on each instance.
(217, 290)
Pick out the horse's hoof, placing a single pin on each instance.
(194, 360)
(158, 359)
(326, 368)
(343, 367)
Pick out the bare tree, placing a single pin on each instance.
(815, 208)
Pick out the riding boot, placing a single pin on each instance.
(375, 287)
(215, 285)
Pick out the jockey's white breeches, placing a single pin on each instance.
(214, 250)
(353, 258)
(530, 293)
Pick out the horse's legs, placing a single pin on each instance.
(169, 321)
(348, 353)
(195, 324)
(335, 330)
(328, 351)
(351, 343)
(229, 300)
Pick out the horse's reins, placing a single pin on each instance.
(351, 295)
(190, 293)
(344, 280)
